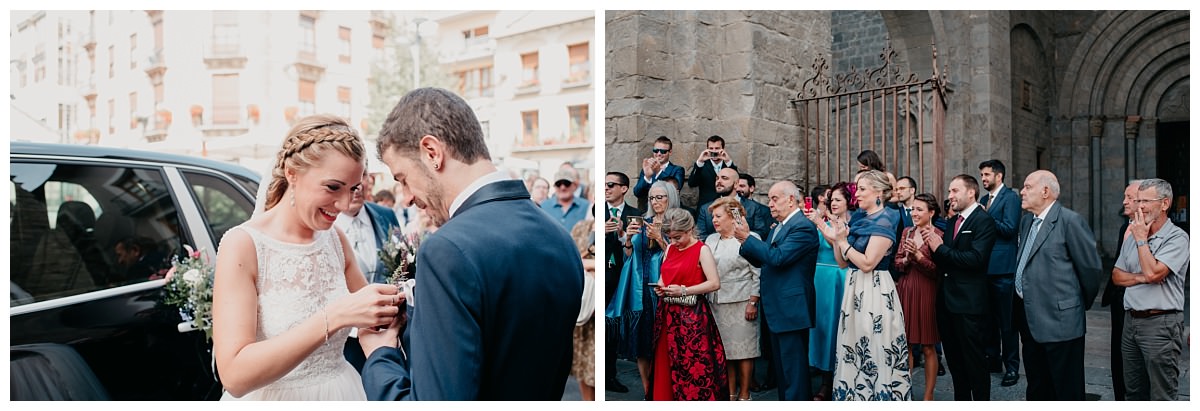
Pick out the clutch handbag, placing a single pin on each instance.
(687, 300)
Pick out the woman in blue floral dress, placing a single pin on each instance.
(872, 350)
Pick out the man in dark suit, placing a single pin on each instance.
(756, 214)
(759, 217)
(367, 227)
(704, 174)
(1003, 204)
(616, 184)
(962, 255)
(490, 318)
(1057, 278)
(788, 257)
(1114, 297)
(657, 167)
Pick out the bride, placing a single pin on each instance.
(285, 296)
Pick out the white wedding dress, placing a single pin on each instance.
(294, 281)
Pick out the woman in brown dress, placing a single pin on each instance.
(918, 286)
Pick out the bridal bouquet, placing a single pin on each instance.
(189, 289)
(399, 256)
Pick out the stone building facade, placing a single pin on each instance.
(1097, 97)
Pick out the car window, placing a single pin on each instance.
(77, 228)
(223, 205)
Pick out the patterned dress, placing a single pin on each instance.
(872, 352)
(294, 281)
(689, 359)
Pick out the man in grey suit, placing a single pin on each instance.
(787, 258)
(1058, 277)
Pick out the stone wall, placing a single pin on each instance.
(692, 74)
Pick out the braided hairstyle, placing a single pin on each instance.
(309, 141)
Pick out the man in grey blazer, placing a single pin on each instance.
(1058, 277)
(787, 257)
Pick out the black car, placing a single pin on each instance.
(92, 230)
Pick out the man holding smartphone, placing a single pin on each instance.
(616, 185)
(710, 162)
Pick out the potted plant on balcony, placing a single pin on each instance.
(253, 113)
(164, 119)
(197, 114)
(289, 113)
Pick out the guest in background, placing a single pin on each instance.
(656, 167)
(829, 282)
(689, 358)
(918, 287)
(583, 361)
(735, 305)
(711, 161)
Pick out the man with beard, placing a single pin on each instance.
(489, 318)
(616, 184)
(727, 179)
(1004, 205)
(962, 254)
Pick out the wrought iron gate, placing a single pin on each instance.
(897, 123)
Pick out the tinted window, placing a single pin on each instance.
(77, 228)
(223, 205)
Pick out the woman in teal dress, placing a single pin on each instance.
(829, 282)
(629, 317)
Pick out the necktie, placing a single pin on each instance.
(1025, 250)
(775, 232)
(612, 212)
(957, 223)
(360, 243)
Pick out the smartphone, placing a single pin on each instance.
(633, 218)
(808, 203)
(737, 216)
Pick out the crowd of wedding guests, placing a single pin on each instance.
(859, 284)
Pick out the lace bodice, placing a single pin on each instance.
(294, 282)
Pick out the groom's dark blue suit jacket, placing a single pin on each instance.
(498, 291)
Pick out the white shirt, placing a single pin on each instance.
(992, 194)
(498, 175)
(361, 234)
(967, 213)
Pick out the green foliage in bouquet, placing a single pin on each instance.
(189, 289)
(399, 255)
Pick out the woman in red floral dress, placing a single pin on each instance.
(689, 359)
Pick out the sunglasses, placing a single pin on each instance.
(660, 151)
(611, 184)
(562, 183)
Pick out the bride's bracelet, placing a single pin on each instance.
(326, 315)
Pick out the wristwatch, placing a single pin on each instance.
(1139, 243)
(754, 303)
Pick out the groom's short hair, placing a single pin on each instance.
(435, 112)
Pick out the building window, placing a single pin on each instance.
(158, 35)
(308, 37)
(308, 98)
(112, 58)
(66, 120)
(580, 66)
(579, 131)
(476, 82)
(133, 117)
(475, 36)
(529, 69)
(377, 41)
(343, 94)
(344, 44)
(39, 63)
(225, 34)
(112, 115)
(226, 102)
(529, 128)
(132, 51)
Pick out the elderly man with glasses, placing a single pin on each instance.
(564, 206)
(1153, 266)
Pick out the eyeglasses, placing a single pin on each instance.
(660, 151)
(611, 184)
(658, 198)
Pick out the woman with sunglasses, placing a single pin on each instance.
(629, 316)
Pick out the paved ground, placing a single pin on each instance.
(1096, 372)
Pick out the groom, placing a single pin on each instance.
(498, 284)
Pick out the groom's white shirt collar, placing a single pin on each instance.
(498, 175)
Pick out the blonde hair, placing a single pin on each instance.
(877, 181)
(679, 220)
(582, 234)
(728, 204)
(306, 144)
